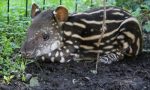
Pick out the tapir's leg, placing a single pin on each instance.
(124, 48)
(111, 57)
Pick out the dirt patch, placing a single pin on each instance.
(124, 75)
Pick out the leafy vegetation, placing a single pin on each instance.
(12, 65)
(139, 9)
(11, 37)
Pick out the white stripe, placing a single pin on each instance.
(86, 38)
(79, 24)
(115, 43)
(69, 23)
(113, 50)
(122, 29)
(67, 33)
(69, 42)
(138, 46)
(118, 13)
(108, 47)
(110, 33)
(131, 51)
(75, 24)
(100, 44)
(107, 52)
(113, 38)
(86, 47)
(76, 36)
(101, 22)
(94, 51)
(130, 35)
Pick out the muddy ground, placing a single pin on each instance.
(124, 75)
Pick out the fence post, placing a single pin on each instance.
(60, 2)
(76, 6)
(91, 3)
(44, 4)
(26, 8)
(8, 11)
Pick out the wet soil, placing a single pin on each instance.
(129, 74)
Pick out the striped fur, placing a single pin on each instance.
(123, 32)
(79, 36)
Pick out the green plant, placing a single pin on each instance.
(11, 37)
(139, 8)
(8, 78)
(10, 59)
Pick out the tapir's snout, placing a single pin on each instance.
(25, 52)
(28, 51)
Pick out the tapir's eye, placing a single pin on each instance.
(45, 37)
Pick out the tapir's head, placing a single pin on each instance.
(44, 33)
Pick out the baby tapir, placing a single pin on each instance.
(59, 37)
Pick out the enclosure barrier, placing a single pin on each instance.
(44, 3)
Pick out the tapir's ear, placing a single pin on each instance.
(35, 10)
(61, 14)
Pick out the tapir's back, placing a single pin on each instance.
(123, 31)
